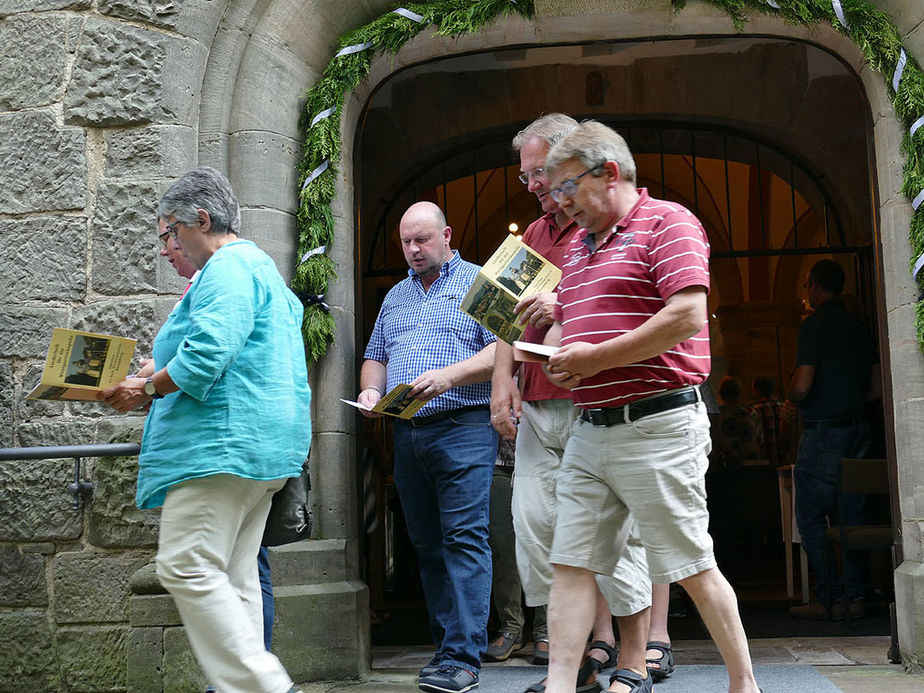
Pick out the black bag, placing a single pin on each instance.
(289, 517)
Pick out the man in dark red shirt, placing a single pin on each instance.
(631, 320)
(546, 415)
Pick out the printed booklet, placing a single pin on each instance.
(512, 273)
(395, 403)
(80, 364)
(537, 353)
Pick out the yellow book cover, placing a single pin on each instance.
(80, 364)
(512, 273)
(394, 403)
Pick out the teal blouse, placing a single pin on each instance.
(234, 347)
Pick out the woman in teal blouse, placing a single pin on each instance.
(229, 423)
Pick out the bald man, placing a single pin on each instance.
(444, 455)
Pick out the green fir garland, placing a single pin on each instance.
(869, 28)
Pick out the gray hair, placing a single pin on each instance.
(551, 128)
(202, 188)
(593, 144)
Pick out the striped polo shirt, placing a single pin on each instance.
(657, 249)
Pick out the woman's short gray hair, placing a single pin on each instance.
(593, 143)
(202, 188)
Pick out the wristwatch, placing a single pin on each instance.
(150, 389)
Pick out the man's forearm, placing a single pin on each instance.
(504, 365)
(373, 375)
(475, 369)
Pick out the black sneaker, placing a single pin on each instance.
(430, 667)
(504, 645)
(448, 678)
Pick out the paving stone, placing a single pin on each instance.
(92, 587)
(117, 76)
(114, 519)
(153, 609)
(125, 244)
(27, 658)
(42, 167)
(44, 258)
(93, 659)
(34, 502)
(25, 331)
(181, 672)
(7, 388)
(33, 54)
(67, 432)
(46, 548)
(22, 578)
(145, 658)
(162, 13)
(147, 153)
(136, 319)
(13, 6)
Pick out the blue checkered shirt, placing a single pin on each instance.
(419, 330)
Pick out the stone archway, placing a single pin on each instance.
(259, 62)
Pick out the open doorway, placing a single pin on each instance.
(773, 158)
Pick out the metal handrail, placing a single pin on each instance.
(79, 489)
(59, 451)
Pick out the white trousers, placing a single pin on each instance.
(542, 435)
(210, 533)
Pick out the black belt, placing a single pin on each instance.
(443, 415)
(833, 423)
(613, 416)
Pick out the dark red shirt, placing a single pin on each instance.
(657, 249)
(544, 236)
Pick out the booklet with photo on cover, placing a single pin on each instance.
(395, 403)
(512, 273)
(80, 364)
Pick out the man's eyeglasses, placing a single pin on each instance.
(163, 237)
(570, 186)
(535, 173)
(171, 228)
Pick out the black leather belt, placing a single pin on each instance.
(833, 423)
(613, 416)
(443, 415)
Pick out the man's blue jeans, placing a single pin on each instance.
(816, 475)
(443, 474)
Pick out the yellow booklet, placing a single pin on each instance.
(395, 403)
(512, 273)
(80, 364)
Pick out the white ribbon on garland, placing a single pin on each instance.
(773, 4)
(899, 70)
(917, 125)
(413, 16)
(839, 11)
(316, 251)
(916, 202)
(326, 113)
(355, 48)
(317, 172)
(917, 267)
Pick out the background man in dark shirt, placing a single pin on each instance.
(836, 373)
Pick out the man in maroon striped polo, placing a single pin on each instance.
(631, 320)
(546, 415)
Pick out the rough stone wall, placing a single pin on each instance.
(102, 102)
(90, 134)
